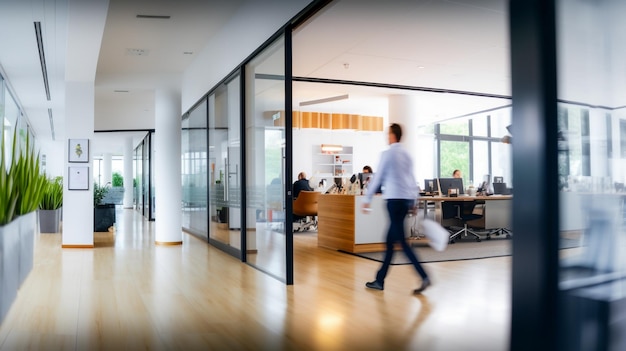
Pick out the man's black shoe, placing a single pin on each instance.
(374, 285)
(425, 284)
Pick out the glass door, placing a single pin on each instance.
(224, 167)
(265, 149)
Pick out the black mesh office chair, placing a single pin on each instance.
(467, 211)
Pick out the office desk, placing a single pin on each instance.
(497, 212)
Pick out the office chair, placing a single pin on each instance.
(305, 211)
(467, 211)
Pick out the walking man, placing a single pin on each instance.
(400, 192)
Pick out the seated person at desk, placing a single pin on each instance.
(457, 174)
(301, 184)
(366, 180)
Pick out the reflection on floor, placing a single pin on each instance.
(131, 294)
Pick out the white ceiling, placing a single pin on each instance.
(455, 45)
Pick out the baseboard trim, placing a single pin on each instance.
(68, 246)
(168, 243)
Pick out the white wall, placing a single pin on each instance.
(55, 156)
(252, 25)
(367, 147)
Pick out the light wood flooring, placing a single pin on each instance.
(129, 294)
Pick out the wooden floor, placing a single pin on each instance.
(128, 294)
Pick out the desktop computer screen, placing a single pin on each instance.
(450, 183)
(365, 178)
(500, 189)
(429, 185)
(485, 186)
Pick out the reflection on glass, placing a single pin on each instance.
(194, 170)
(224, 167)
(592, 172)
(265, 97)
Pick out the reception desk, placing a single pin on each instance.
(342, 225)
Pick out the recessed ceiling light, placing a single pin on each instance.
(420, 67)
(137, 52)
(187, 52)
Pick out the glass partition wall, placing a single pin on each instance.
(591, 174)
(144, 177)
(224, 166)
(194, 170)
(265, 161)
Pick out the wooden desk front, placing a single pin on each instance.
(343, 226)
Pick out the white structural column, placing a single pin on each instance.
(82, 51)
(128, 172)
(403, 110)
(168, 192)
(107, 166)
(78, 204)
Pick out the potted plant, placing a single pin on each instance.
(29, 183)
(51, 206)
(104, 214)
(20, 194)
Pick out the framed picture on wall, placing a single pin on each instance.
(78, 150)
(78, 178)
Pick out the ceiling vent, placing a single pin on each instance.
(51, 123)
(42, 58)
(154, 16)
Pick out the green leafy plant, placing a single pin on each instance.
(28, 181)
(99, 192)
(52, 194)
(117, 180)
(8, 195)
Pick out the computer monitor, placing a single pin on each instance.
(485, 186)
(339, 182)
(498, 179)
(450, 183)
(429, 185)
(500, 189)
(365, 178)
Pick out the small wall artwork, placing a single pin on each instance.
(78, 150)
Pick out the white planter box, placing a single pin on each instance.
(50, 220)
(27, 244)
(9, 265)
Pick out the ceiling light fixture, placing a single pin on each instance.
(120, 91)
(187, 52)
(331, 148)
(329, 99)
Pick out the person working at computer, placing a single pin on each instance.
(367, 169)
(301, 184)
(457, 174)
(400, 191)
